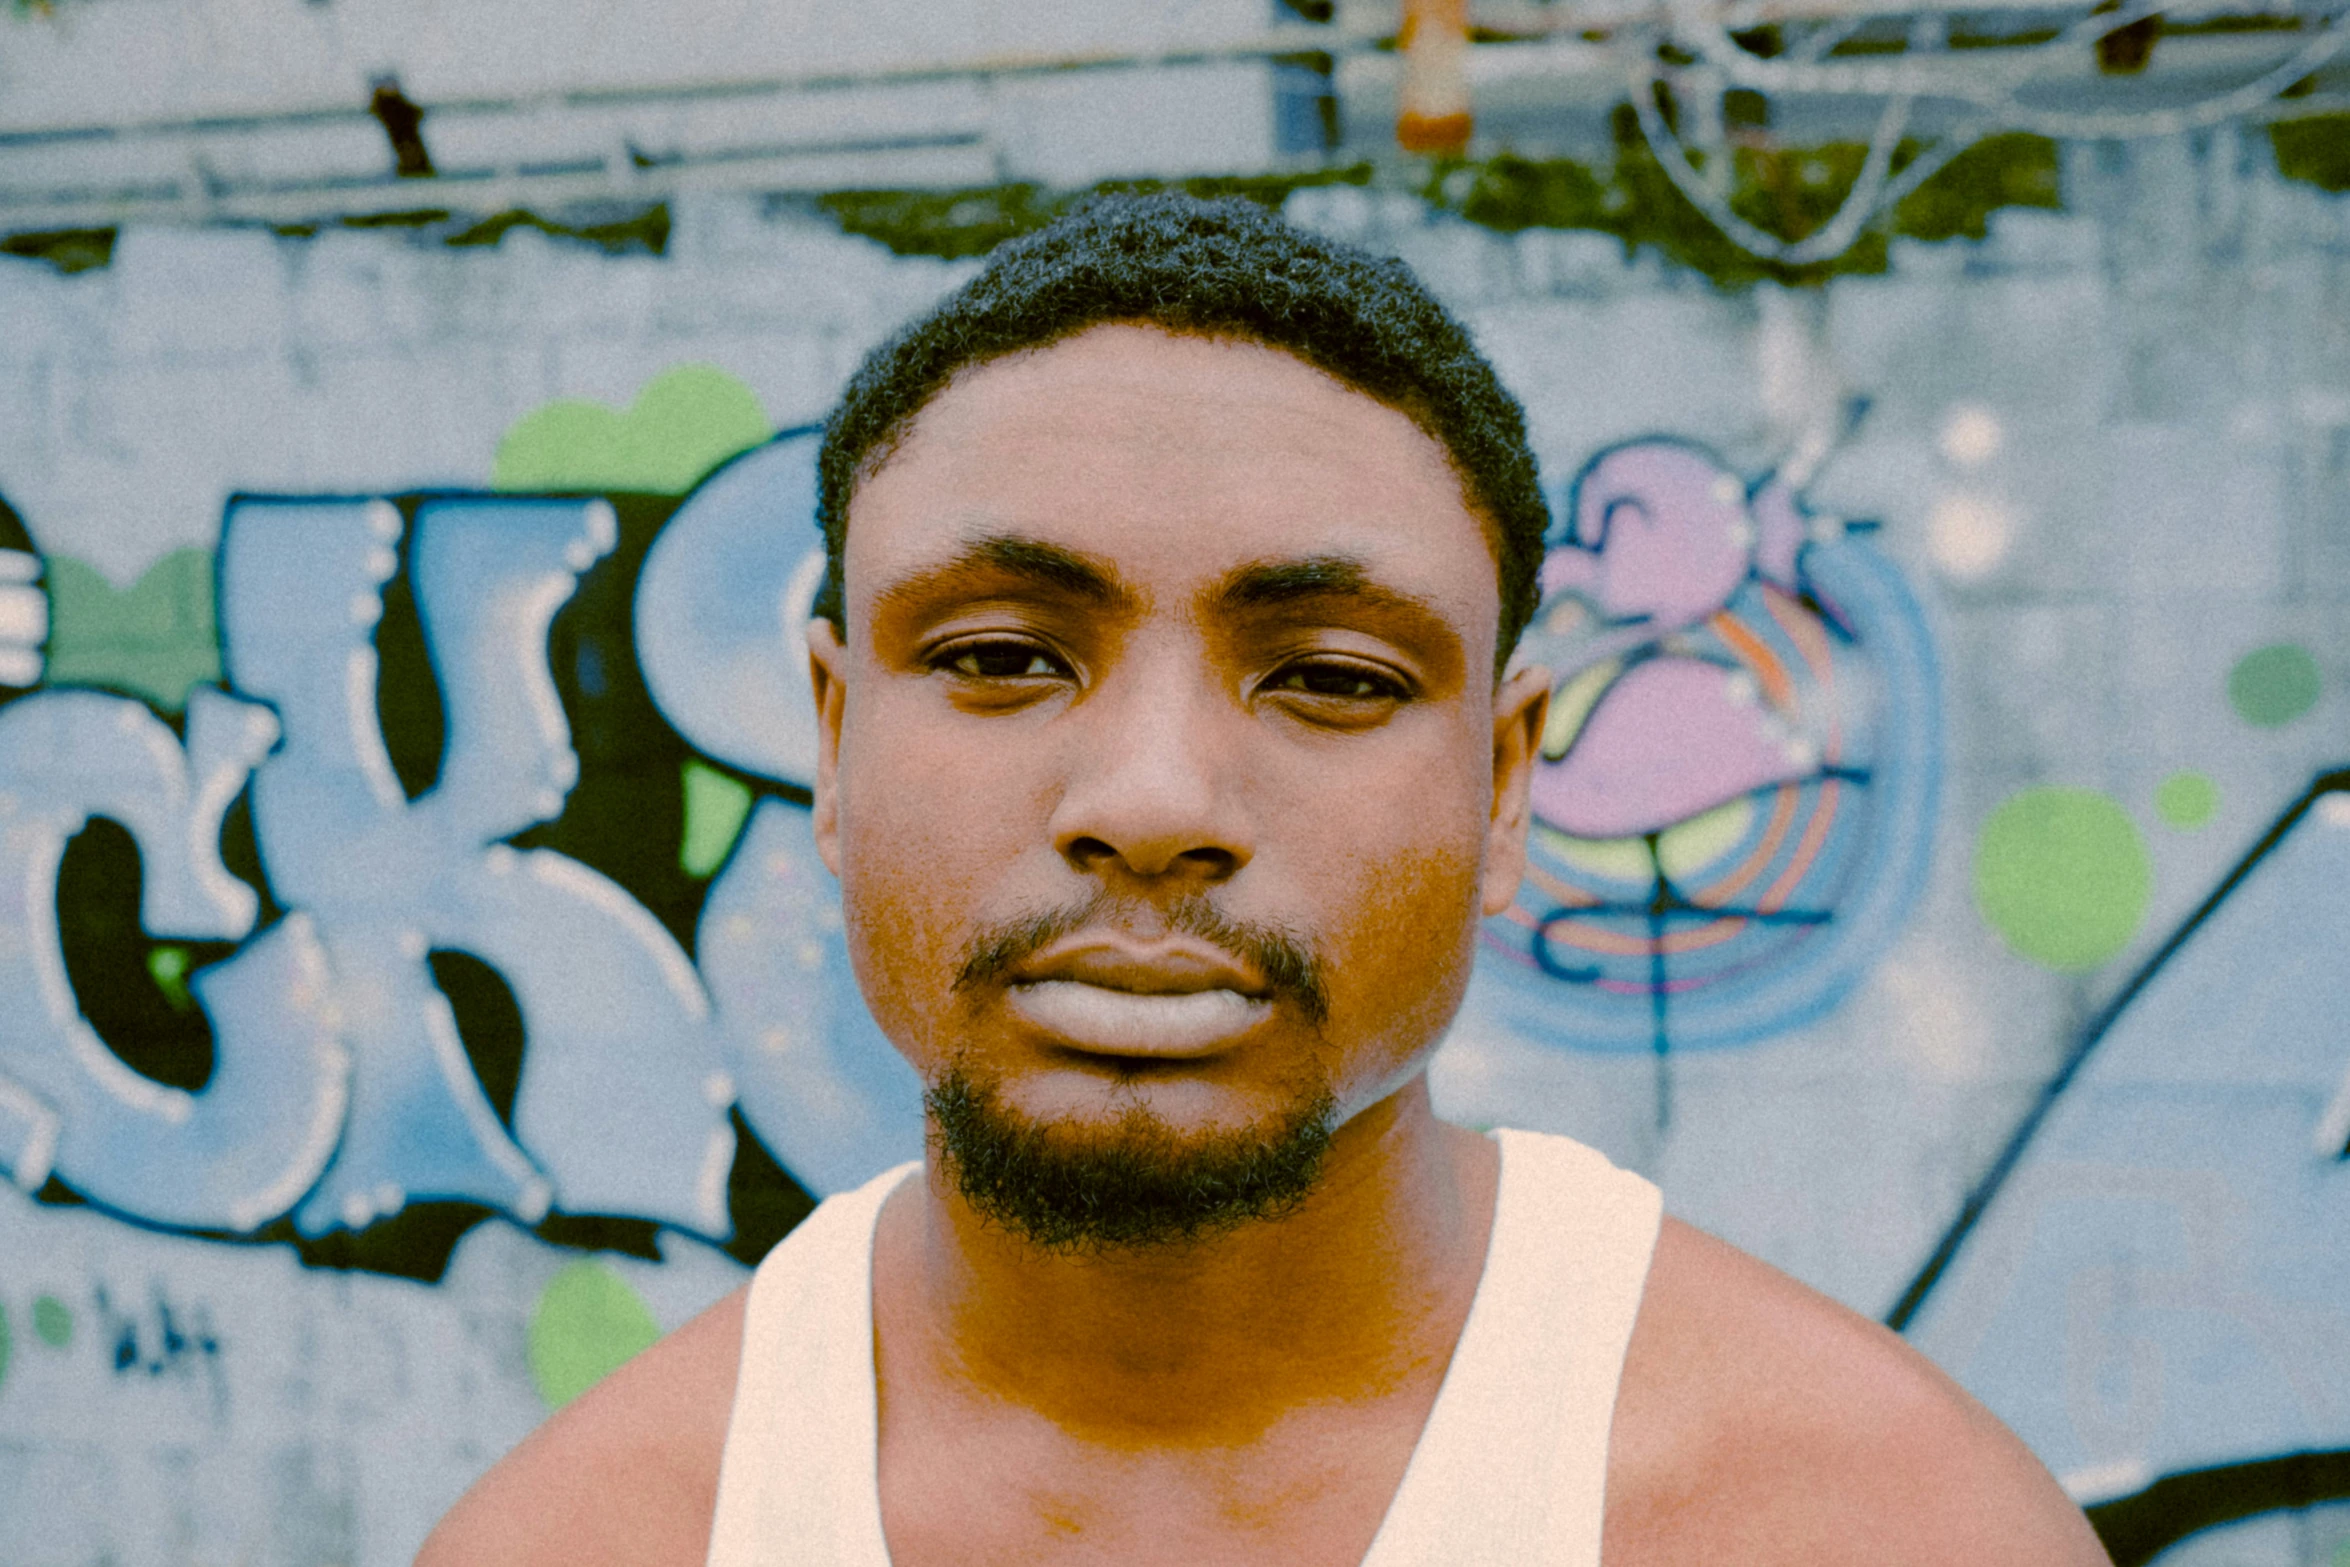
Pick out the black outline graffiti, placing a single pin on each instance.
(2138, 1527)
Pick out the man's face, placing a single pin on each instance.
(1160, 759)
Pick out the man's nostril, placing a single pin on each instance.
(1087, 850)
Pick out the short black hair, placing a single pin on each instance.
(1225, 268)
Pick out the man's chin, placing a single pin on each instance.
(1124, 1172)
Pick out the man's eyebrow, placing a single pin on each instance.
(998, 555)
(1272, 584)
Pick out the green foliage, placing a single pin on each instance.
(1786, 191)
(2015, 170)
(68, 250)
(646, 232)
(405, 218)
(155, 638)
(959, 223)
(2315, 148)
(952, 223)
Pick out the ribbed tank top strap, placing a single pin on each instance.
(1511, 1469)
(799, 1485)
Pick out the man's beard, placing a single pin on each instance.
(1137, 1184)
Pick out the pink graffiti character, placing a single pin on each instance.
(1645, 732)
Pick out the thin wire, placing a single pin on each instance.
(1876, 190)
(2210, 111)
(1675, 163)
(1861, 203)
(1852, 218)
(1992, 82)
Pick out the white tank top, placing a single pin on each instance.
(1510, 1471)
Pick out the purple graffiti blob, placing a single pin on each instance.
(1673, 737)
(1661, 538)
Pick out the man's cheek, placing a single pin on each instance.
(905, 882)
(1414, 920)
(905, 950)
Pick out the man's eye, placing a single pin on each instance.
(1001, 661)
(1354, 681)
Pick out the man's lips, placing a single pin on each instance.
(1171, 1025)
(1111, 997)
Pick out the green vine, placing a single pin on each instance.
(1788, 191)
(2315, 149)
(68, 250)
(971, 222)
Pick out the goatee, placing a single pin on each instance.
(1134, 1186)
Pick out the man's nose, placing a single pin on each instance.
(1151, 791)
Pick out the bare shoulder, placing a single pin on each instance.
(628, 1472)
(1760, 1422)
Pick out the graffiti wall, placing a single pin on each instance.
(418, 989)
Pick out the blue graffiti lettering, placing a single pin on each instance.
(722, 608)
(257, 1135)
(818, 1079)
(605, 995)
(721, 618)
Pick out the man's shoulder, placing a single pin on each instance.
(1759, 1421)
(626, 1473)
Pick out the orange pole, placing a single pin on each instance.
(1435, 115)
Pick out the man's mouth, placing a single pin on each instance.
(1106, 997)
(1173, 1025)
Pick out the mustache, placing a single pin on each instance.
(1289, 967)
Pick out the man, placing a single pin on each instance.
(1171, 754)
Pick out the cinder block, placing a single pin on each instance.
(208, 292)
(355, 289)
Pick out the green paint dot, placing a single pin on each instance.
(2274, 685)
(168, 967)
(588, 1323)
(2186, 800)
(52, 1322)
(715, 809)
(684, 423)
(2062, 875)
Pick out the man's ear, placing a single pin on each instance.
(1521, 704)
(827, 660)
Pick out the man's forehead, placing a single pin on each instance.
(1126, 393)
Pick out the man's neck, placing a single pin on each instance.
(1357, 1295)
